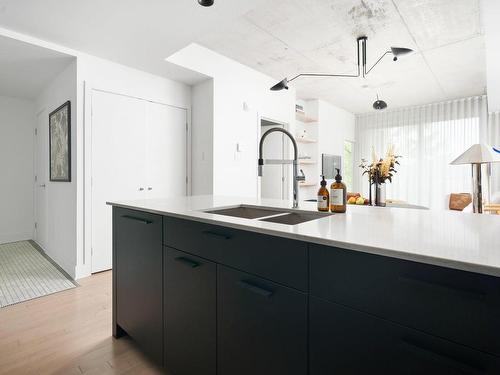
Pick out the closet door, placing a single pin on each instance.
(166, 147)
(119, 134)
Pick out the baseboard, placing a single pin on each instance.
(68, 268)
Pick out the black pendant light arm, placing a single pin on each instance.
(373, 66)
(361, 54)
(322, 75)
(333, 75)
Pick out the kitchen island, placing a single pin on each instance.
(375, 290)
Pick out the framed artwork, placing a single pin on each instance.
(60, 143)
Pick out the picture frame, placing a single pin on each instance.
(60, 144)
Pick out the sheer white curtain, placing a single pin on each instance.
(493, 138)
(428, 138)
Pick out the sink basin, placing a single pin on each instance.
(246, 212)
(270, 214)
(294, 218)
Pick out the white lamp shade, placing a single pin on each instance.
(478, 154)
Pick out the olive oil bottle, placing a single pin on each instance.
(338, 195)
(323, 197)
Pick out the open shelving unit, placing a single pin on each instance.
(306, 128)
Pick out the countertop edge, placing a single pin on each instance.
(419, 258)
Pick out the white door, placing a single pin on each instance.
(138, 152)
(41, 179)
(166, 148)
(118, 159)
(273, 176)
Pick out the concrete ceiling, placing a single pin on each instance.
(282, 38)
(140, 34)
(25, 69)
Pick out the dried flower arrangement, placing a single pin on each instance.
(380, 169)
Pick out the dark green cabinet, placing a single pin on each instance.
(138, 279)
(345, 341)
(190, 314)
(261, 326)
(212, 300)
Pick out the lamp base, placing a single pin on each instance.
(477, 189)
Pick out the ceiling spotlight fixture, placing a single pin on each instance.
(206, 3)
(399, 51)
(379, 104)
(283, 84)
(362, 70)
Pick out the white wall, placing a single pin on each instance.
(61, 196)
(202, 101)
(241, 95)
(336, 125)
(17, 119)
(490, 16)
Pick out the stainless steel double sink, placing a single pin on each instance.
(269, 214)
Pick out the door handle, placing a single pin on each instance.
(421, 283)
(219, 236)
(421, 350)
(255, 289)
(188, 262)
(138, 219)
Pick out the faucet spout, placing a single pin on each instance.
(295, 162)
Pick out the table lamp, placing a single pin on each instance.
(477, 155)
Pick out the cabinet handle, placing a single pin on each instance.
(219, 236)
(421, 350)
(188, 262)
(439, 286)
(256, 289)
(141, 189)
(138, 219)
(150, 188)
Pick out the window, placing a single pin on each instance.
(427, 138)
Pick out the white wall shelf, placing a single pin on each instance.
(307, 161)
(306, 140)
(299, 116)
(307, 184)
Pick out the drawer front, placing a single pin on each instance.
(261, 326)
(138, 273)
(190, 314)
(345, 341)
(277, 259)
(456, 305)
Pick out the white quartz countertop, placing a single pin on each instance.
(464, 241)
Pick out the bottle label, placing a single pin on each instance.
(337, 197)
(322, 201)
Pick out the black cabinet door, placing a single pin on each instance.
(190, 314)
(459, 306)
(262, 326)
(345, 341)
(138, 278)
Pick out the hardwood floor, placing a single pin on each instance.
(68, 333)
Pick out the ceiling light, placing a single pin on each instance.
(362, 70)
(379, 105)
(400, 51)
(283, 84)
(206, 3)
